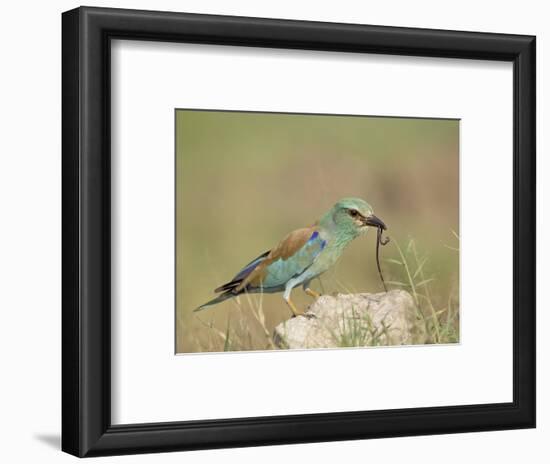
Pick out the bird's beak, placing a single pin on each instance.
(373, 221)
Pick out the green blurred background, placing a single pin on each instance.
(244, 180)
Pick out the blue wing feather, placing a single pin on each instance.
(242, 274)
(250, 266)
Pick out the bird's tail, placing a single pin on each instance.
(218, 299)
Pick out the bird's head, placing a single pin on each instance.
(353, 216)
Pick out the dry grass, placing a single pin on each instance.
(434, 323)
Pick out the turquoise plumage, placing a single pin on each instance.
(280, 271)
(302, 255)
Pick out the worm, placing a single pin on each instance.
(383, 242)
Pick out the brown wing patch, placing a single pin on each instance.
(284, 250)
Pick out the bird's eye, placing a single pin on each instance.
(353, 212)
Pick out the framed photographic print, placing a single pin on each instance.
(284, 231)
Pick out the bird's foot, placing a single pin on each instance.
(306, 315)
(296, 312)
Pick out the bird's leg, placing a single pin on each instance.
(293, 308)
(309, 290)
(312, 293)
(289, 286)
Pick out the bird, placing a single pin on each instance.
(303, 255)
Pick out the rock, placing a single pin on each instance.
(363, 319)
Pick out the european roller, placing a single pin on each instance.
(303, 254)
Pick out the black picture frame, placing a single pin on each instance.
(86, 228)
